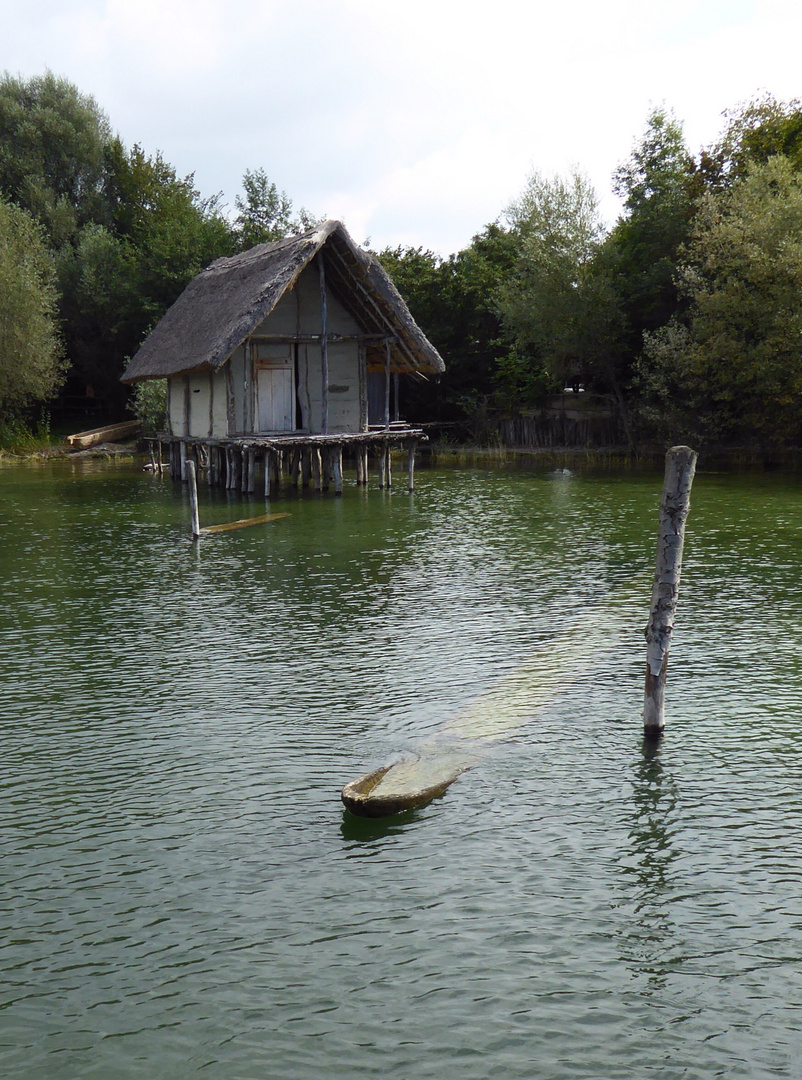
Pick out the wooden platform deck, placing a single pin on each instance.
(248, 462)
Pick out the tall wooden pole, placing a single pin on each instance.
(324, 347)
(675, 504)
(192, 483)
(387, 385)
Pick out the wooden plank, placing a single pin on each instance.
(242, 523)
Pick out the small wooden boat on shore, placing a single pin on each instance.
(402, 785)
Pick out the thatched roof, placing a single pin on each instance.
(227, 301)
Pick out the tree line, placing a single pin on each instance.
(685, 315)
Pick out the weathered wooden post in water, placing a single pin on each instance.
(192, 483)
(675, 503)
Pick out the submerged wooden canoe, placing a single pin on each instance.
(402, 785)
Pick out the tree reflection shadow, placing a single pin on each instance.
(649, 939)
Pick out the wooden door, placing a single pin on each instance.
(275, 395)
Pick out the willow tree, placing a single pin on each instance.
(32, 367)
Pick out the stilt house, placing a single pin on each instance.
(292, 346)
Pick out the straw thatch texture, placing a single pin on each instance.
(227, 301)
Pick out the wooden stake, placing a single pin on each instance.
(674, 507)
(192, 482)
(388, 467)
(337, 462)
(411, 466)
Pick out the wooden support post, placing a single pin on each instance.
(388, 467)
(411, 466)
(275, 469)
(306, 467)
(326, 462)
(192, 482)
(183, 457)
(674, 507)
(337, 463)
(152, 456)
(382, 466)
(317, 468)
(209, 465)
(295, 466)
(360, 476)
(365, 463)
(268, 468)
(251, 471)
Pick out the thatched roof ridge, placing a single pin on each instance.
(230, 298)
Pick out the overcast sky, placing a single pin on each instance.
(415, 122)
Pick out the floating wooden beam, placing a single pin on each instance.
(242, 523)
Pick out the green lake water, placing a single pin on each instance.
(181, 891)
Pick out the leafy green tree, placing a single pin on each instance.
(544, 300)
(730, 368)
(453, 301)
(640, 255)
(265, 213)
(118, 279)
(53, 141)
(755, 132)
(31, 362)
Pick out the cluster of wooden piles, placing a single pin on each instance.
(249, 463)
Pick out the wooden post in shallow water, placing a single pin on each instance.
(192, 483)
(675, 504)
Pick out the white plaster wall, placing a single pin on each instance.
(219, 400)
(237, 364)
(175, 405)
(199, 401)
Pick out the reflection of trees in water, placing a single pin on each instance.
(649, 940)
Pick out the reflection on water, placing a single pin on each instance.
(650, 941)
(181, 892)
